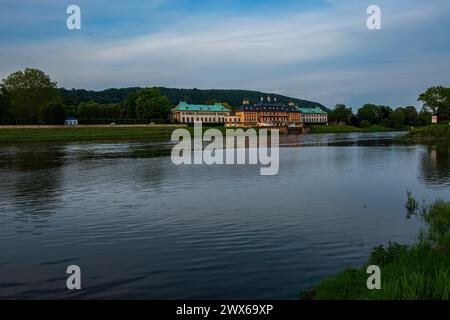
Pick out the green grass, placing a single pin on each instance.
(149, 133)
(436, 131)
(345, 128)
(420, 272)
(83, 133)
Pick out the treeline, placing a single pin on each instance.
(232, 97)
(436, 101)
(31, 97)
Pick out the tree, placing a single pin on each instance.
(385, 112)
(130, 105)
(371, 113)
(364, 124)
(424, 117)
(397, 118)
(28, 91)
(150, 105)
(94, 110)
(3, 108)
(52, 113)
(437, 99)
(340, 114)
(228, 106)
(411, 116)
(210, 102)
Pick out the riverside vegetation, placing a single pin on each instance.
(421, 271)
(30, 97)
(434, 132)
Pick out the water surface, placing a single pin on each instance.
(141, 227)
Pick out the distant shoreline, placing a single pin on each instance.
(154, 132)
(47, 133)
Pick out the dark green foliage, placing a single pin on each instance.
(113, 95)
(435, 132)
(437, 99)
(411, 203)
(417, 273)
(175, 95)
(3, 106)
(95, 110)
(340, 114)
(151, 105)
(129, 105)
(381, 256)
(397, 118)
(52, 113)
(438, 219)
(370, 113)
(411, 116)
(27, 92)
(364, 124)
(420, 272)
(424, 117)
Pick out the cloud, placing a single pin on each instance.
(325, 54)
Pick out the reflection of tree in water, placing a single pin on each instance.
(32, 178)
(435, 164)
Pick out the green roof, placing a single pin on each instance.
(184, 106)
(315, 110)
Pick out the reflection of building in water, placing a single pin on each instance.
(433, 155)
(435, 165)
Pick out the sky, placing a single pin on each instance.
(317, 50)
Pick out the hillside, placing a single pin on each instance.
(233, 97)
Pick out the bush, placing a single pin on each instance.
(381, 256)
(364, 124)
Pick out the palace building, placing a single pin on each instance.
(190, 113)
(314, 115)
(267, 113)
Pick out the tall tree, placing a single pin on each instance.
(28, 91)
(397, 118)
(3, 108)
(411, 116)
(52, 113)
(437, 99)
(424, 117)
(371, 113)
(151, 105)
(341, 113)
(130, 105)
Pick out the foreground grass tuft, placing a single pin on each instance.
(420, 272)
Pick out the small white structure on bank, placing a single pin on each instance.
(71, 121)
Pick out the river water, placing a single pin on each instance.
(141, 227)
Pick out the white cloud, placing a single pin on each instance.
(324, 55)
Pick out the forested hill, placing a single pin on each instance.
(233, 97)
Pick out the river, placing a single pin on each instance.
(141, 227)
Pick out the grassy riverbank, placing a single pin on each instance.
(96, 133)
(419, 272)
(434, 132)
(157, 133)
(345, 128)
